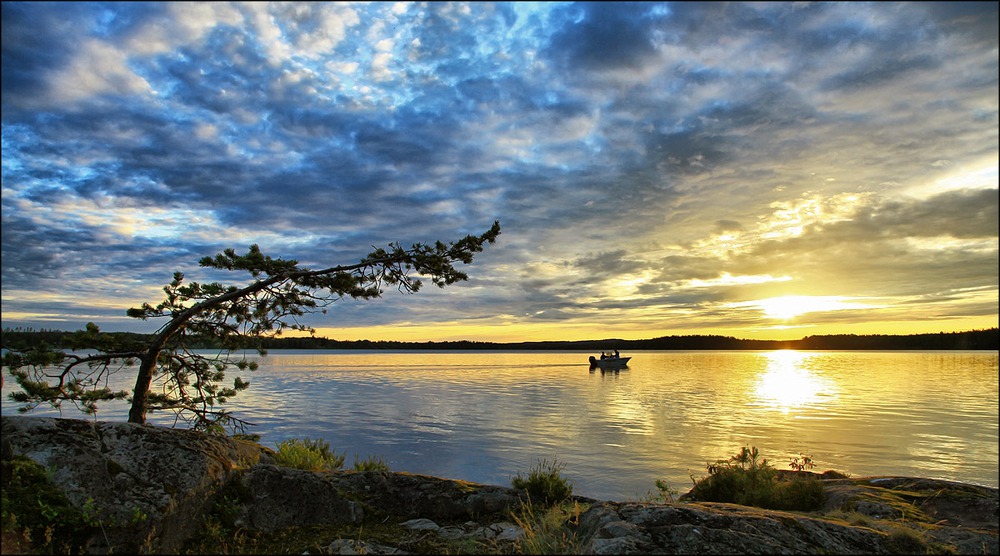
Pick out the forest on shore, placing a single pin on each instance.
(988, 339)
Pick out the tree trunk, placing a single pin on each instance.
(140, 394)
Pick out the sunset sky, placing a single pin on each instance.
(769, 171)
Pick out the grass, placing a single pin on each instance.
(311, 455)
(372, 463)
(315, 455)
(548, 530)
(903, 540)
(546, 516)
(544, 484)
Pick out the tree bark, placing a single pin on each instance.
(140, 394)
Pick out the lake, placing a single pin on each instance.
(485, 416)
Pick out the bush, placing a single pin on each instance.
(311, 455)
(544, 484)
(749, 480)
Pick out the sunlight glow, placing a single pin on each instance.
(628, 284)
(983, 175)
(790, 218)
(791, 306)
(787, 219)
(787, 383)
(627, 412)
(726, 279)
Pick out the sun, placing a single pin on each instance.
(791, 306)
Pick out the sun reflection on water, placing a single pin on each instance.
(787, 383)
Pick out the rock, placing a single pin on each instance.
(147, 486)
(713, 528)
(351, 546)
(507, 531)
(152, 490)
(421, 524)
(278, 497)
(410, 495)
(942, 516)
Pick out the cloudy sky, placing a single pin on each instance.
(754, 170)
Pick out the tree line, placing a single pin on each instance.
(988, 339)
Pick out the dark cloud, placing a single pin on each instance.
(882, 69)
(36, 43)
(601, 36)
(970, 214)
(977, 20)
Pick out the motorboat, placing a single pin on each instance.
(605, 363)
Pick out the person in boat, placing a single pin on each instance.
(603, 356)
(617, 355)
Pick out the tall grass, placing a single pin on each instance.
(544, 484)
(548, 530)
(371, 463)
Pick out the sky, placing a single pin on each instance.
(769, 171)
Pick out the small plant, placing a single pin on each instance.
(544, 484)
(802, 463)
(373, 463)
(311, 455)
(667, 493)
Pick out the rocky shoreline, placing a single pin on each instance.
(145, 489)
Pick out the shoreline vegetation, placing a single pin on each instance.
(988, 339)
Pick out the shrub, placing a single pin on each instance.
(544, 484)
(801, 494)
(749, 480)
(311, 455)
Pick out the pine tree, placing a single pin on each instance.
(232, 317)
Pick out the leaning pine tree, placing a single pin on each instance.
(232, 317)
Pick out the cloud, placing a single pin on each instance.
(672, 163)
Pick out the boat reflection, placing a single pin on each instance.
(608, 372)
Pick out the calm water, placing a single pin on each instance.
(485, 416)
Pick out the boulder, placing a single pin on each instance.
(146, 486)
(715, 528)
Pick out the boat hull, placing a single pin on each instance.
(613, 363)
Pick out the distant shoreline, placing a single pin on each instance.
(988, 339)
